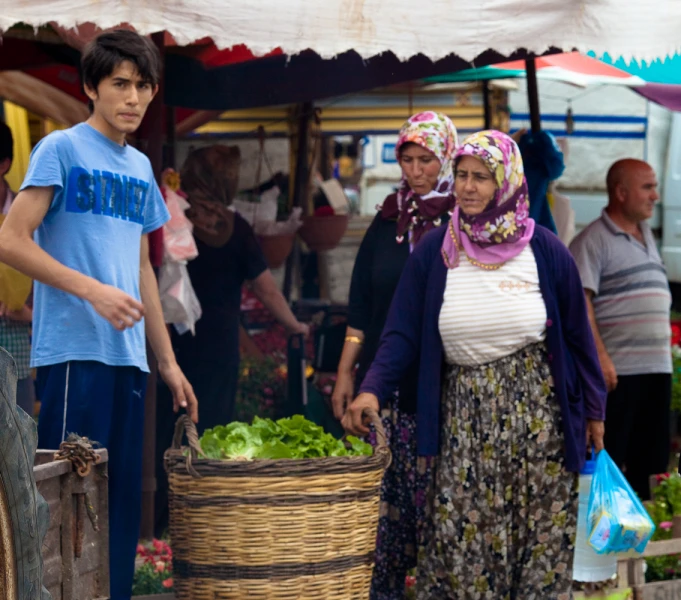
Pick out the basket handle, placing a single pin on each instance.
(375, 420)
(186, 425)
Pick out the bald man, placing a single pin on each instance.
(629, 301)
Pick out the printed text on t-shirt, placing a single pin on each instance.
(106, 193)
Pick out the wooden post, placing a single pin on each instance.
(300, 186)
(67, 535)
(533, 94)
(154, 121)
(154, 151)
(486, 104)
(170, 157)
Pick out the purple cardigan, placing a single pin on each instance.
(412, 329)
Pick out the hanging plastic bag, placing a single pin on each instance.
(180, 305)
(616, 519)
(178, 241)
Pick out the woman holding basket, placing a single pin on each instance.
(510, 391)
(424, 150)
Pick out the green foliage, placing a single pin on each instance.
(154, 575)
(665, 505)
(294, 437)
(676, 379)
(667, 497)
(148, 581)
(261, 388)
(663, 568)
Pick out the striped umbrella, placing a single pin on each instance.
(571, 67)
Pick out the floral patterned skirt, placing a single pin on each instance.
(501, 515)
(403, 497)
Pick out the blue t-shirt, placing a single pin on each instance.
(105, 198)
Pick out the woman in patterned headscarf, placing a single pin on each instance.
(510, 390)
(423, 200)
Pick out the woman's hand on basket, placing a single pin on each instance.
(342, 395)
(354, 421)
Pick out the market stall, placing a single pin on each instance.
(305, 54)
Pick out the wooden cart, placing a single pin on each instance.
(76, 547)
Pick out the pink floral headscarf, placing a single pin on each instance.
(417, 214)
(504, 228)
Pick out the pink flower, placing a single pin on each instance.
(268, 391)
(477, 229)
(141, 550)
(160, 566)
(167, 583)
(158, 545)
(666, 525)
(424, 116)
(522, 213)
(410, 581)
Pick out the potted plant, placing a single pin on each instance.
(663, 570)
(323, 230)
(665, 507)
(153, 576)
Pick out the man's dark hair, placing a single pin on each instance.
(6, 142)
(108, 50)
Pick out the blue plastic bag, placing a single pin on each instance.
(617, 522)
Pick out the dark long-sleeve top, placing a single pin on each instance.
(412, 328)
(375, 276)
(217, 276)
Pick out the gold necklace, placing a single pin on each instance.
(475, 263)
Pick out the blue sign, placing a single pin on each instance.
(388, 153)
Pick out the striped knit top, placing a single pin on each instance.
(487, 315)
(632, 300)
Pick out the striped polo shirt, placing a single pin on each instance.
(632, 300)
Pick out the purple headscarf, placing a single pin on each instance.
(504, 228)
(417, 214)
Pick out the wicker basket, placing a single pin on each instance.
(273, 529)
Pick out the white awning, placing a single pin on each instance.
(641, 29)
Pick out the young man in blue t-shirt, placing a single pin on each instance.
(79, 227)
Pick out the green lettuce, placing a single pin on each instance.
(292, 437)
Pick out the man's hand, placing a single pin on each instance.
(117, 307)
(353, 421)
(609, 372)
(595, 430)
(181, 389)
(342, 394)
